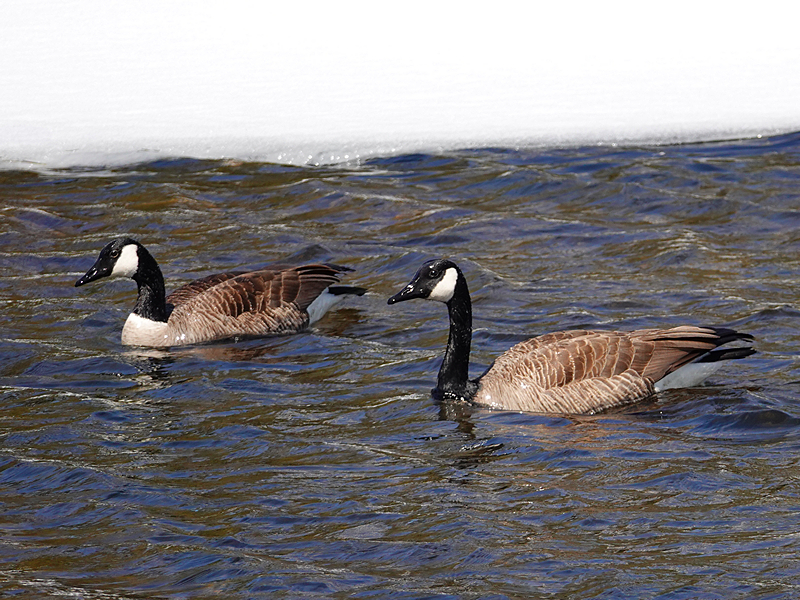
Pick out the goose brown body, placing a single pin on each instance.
(574, 371)
(273, 300)
(225, 305)
(588, 371)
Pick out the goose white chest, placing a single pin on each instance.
(139, 331)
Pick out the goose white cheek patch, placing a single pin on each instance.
(127, 263)
(443, 291)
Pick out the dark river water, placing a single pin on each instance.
(318, 466)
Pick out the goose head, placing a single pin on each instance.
(119, 258)
(435, 280)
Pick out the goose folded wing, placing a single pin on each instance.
(587, 371)
(257, 302)
(194, 288)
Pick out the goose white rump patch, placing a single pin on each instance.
(444, 290)
(687, 376)
(321, 304)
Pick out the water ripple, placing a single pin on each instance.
(317, 465)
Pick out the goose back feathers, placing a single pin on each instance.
(587, 371)
(568, 371)
(274, 300)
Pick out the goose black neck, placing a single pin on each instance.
(151, 303)
(453, 378)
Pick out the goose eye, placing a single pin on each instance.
(114, 253)
(433, 273)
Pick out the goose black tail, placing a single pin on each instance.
(726, 354)
(340, 290)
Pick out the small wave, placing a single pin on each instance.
(760, 423)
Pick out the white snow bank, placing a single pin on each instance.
(97, 82)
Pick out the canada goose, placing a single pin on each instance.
(568, 371)
(272, 300)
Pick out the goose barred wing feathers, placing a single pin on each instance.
(587, 371)
(271, 300)
(186, 292)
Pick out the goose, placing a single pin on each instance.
(273, 300)
(567, 372)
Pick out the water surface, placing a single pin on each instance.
(317, 465)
